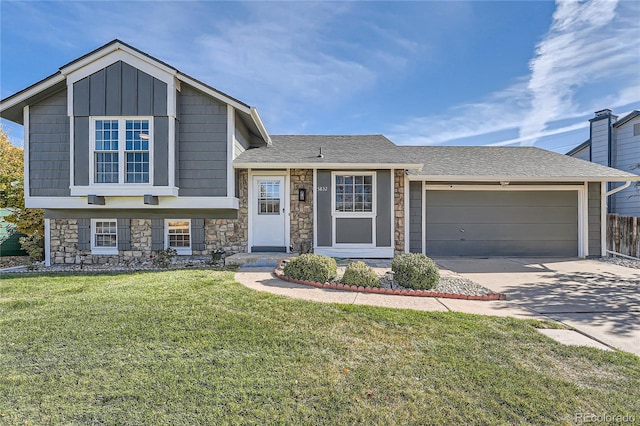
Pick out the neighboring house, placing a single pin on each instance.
(615, 143)
(127, 155)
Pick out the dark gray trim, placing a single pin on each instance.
(84, 234)
(416, 197)
(124, 234)
(139, 213)
(157, 234)
(383, 208)
(197, 234)
(323, 210)
(267, 249)
(81, 150)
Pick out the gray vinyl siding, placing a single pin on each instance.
(161, 151)
(594, 219)
(383, 202)
(243, 136)
(583, 154)
(627, 158)
(323, 203)
(202, 145)
(49, 147)
(415, 217)
(354, 230)
(119, 90)
(509, 223)
(81, 150)
(600, 141)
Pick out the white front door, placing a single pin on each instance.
(268, 211)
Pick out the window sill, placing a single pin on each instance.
(104, 250)
(183, 251)
(124, 190)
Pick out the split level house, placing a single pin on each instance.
(127, 156)
(615, 143)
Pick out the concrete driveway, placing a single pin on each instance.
(599, 299)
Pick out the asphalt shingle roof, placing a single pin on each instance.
(359, 149)
(434, 162)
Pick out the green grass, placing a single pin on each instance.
(185, 347)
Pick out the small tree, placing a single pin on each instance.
(28, 221)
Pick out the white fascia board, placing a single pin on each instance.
(97, 63)
(440, 178)
(219, 96)
(334, 166)
(436, 187)
(51, 81)
(124, 190)
(133, 203)
(25, 150)
(231, 135)
(261, 127)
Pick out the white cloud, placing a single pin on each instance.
(588, 43)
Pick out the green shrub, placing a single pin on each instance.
(414, 270)
(164, 258)
(33, 245)
(312, 267)
(360, 274)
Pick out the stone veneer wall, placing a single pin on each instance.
(301, 218)
(228, 234)
(398, 185)
(232, 235)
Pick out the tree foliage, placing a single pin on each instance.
(28, 221)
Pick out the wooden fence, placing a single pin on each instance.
(623, 235)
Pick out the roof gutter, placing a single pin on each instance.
(604, 195)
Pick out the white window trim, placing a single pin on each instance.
(102, 250)
(182, 251)
(372, 213)
(121, 153)
(354, 215)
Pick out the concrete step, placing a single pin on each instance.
(257, 259)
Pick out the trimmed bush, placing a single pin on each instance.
(312, 267)
(360, 274)
(33, 245)
(415, 270)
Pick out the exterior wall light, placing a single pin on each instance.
(302, 194)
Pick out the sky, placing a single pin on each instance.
(421, 73)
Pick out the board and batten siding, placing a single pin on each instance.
(115, 91)
(49, 147)
(202, 142)
(594, 219)
(627, 159)
(600, 131)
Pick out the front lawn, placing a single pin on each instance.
(185, 347)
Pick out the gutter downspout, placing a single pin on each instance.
(603, 213)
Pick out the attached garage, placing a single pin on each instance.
(501, 223)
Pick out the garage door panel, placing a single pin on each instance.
(497, 232)
(502, 198)
(502, 223)
(509, 214)
(506, 248)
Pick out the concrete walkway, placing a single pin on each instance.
(262, 279)
(600, 300)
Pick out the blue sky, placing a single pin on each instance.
(421, 73)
